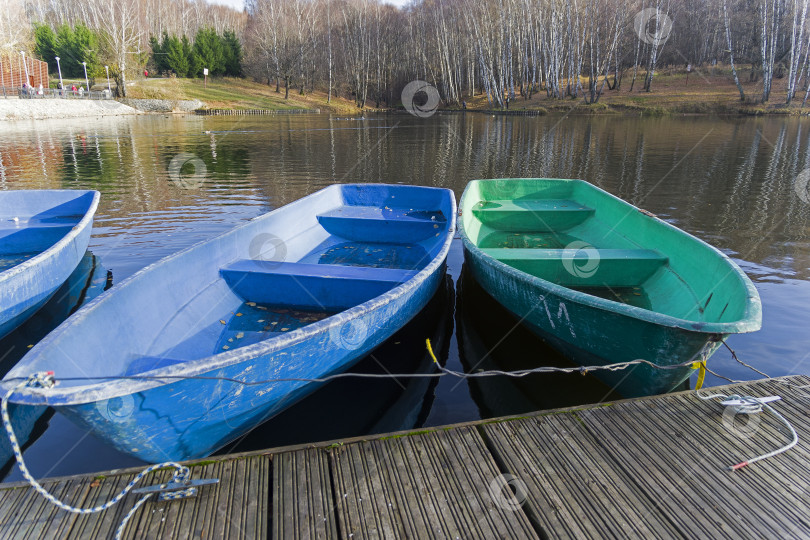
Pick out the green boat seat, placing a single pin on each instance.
(542, 215)
(581, 268)
(389, 225)
(311, 286)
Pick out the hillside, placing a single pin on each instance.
(705, 92)
(233, 93)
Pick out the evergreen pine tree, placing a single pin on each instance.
(233, 54)
(45, 45)
(209, 50)
(176, 57)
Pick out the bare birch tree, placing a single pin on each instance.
(797, 41)
(730, 45)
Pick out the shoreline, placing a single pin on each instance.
(710, 94)
(580, 108)
(15, 109)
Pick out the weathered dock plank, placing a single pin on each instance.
(651, 467)
(237, 507)
(432, 485)
(302, 495)
(569, 483)
(677, 448)
(43, 516)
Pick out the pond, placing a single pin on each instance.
(168, 182)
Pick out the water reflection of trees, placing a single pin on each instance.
(729, 181)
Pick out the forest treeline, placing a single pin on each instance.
(504, 49)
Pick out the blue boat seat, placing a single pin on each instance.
(542, 215)
(327, 287)
(389, 225)
(584, 268)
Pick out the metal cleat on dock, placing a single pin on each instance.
(738, 402)
(170, 491)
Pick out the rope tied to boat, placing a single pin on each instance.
(582, 370)
(441, 372)
(46, 379)
(737, 404)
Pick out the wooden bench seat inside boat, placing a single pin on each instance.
(584, 268)
(541, 215)
(373, 224)
(311, 286)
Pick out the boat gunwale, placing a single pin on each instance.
(117, 386)
(74, 232)
(749, 322)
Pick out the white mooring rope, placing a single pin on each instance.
(45, 380)
(753, 405)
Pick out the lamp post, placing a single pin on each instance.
(61, 84)
(86, 80)
(109, 88)
(27, 80)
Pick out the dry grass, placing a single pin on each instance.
(233, 93)
(708, 91)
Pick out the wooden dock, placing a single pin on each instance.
(651, 467)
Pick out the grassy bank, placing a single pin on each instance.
(704, 92)
(230, 93)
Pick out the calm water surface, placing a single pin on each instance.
(727, 181)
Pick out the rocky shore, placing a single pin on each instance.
(164, 105)
(35, 109)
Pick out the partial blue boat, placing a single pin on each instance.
(43, 236)
(302, 292)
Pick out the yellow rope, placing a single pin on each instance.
(701, 375)
(430, 350)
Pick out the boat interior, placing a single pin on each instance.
(30, 225)
(278, 273)
(571, 234)
(309, 260)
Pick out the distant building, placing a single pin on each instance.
(12, 71)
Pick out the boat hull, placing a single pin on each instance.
(369, 406)
(26, 287)
(591, 336)
(172, 422)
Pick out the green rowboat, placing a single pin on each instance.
(603, 281)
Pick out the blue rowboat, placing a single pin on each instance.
(43, 236)
(301, 292)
